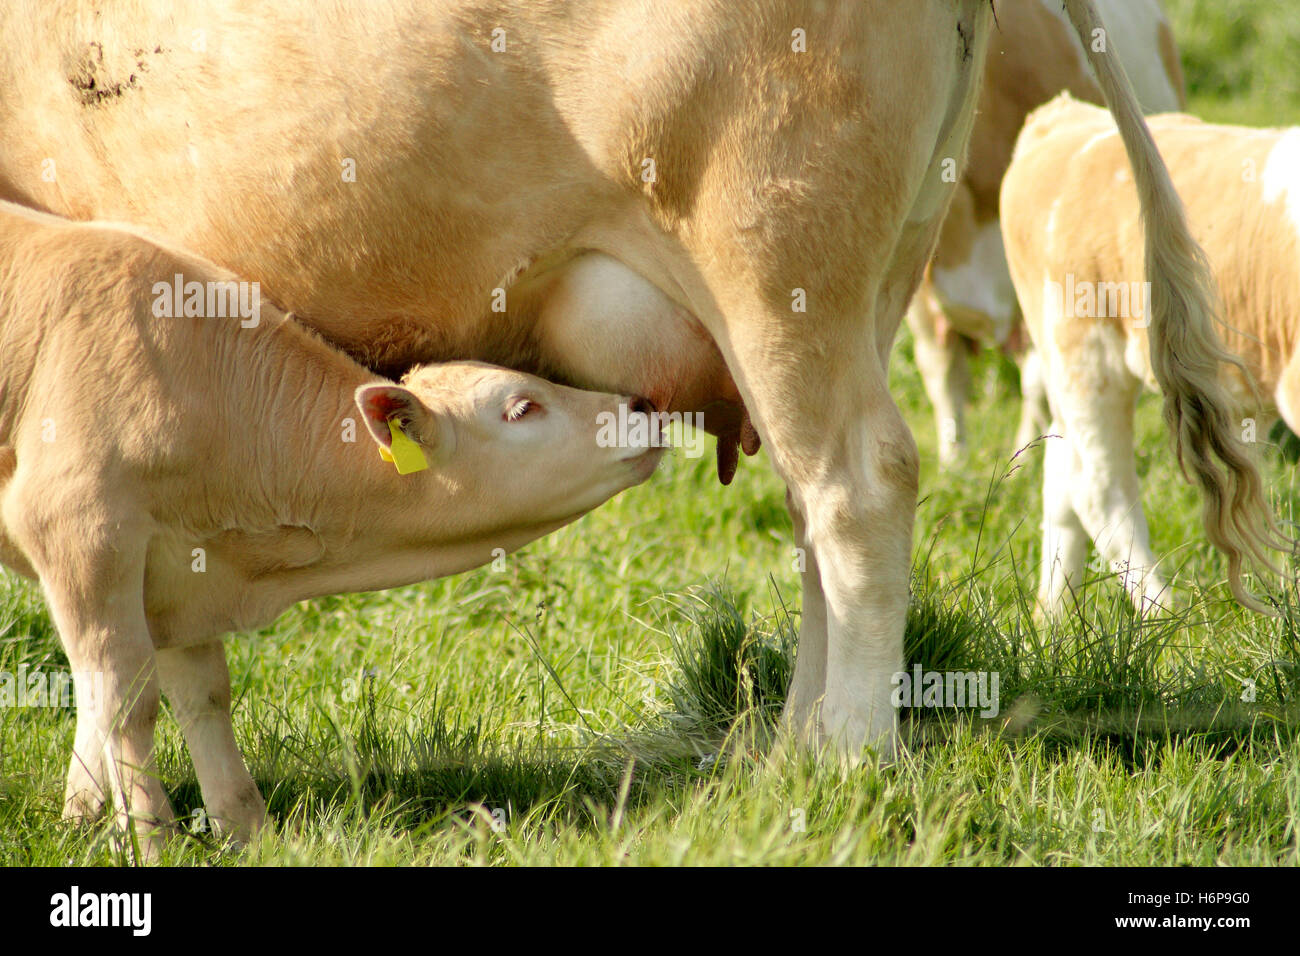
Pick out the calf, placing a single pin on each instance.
(169, 479)
(1074, 240)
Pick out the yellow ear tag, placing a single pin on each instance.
(406, 454)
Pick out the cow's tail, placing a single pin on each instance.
(1186, 353)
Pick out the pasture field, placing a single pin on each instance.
(603, 697)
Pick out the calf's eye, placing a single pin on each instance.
(519, 408)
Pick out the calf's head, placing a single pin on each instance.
(507, 453)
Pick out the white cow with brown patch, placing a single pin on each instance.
(171, 477)
(410, 178)
(967, 296)
(1075, 244)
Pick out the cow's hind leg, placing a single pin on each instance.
(808, 685)
(810, 252)
(945, 372)
(196, 681)
(868, 494)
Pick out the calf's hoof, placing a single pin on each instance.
(83, 805)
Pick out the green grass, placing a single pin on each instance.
(610, 694)
(607, 698)
(1240, 59)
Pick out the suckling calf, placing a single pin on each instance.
(170, 477)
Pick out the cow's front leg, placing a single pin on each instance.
(196, 681)
(851, 466)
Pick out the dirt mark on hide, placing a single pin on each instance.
(94, 82)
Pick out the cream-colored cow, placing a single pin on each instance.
(1074, 241)
(770, 173)
(967, 296)
(170, 477)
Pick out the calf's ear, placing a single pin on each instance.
(381, 404)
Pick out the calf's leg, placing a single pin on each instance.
(112, 658)
(1096, 402)
(90, 557)
(83, 797)
(1035, 416)
(196, 681)
(1065, 542)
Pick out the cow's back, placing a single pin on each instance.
(1070, 210)
(437, 166)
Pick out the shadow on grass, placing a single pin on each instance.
(444, 773)
(1102, 679)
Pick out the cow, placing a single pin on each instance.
(966, 297)
(408, 177)
(170, 475)
(1074, 240)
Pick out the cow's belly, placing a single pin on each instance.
(977, 294)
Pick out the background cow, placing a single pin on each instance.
(1074, 241)
(967, 296)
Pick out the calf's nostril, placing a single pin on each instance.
(642, 404)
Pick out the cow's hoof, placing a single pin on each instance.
(856, 738)
(240, 819)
